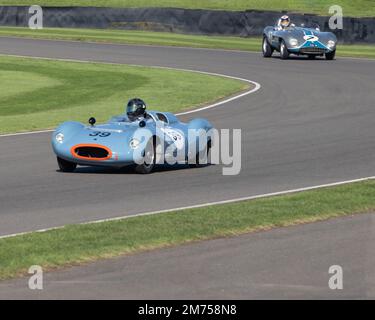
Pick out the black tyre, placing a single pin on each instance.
(200, 156)
(149, 159)
(284, 53)
(66, 166)
(330, 55)
(266, 48)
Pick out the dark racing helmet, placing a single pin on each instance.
(136, 108)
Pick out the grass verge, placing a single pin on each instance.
(39, 94)
(165, 39)
(351, 8)
(78, 244)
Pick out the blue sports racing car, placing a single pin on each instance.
(137, 137)
(287, 39)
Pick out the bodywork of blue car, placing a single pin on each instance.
(121, 142)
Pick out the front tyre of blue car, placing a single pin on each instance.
(202, 158)
(331, 55)
(266, 48)
(284, 53)
(66, 166)
(149, 159)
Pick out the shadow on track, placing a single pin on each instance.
(302, 58)
(130, 170)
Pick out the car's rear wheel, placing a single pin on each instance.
(266, 48)
(149, 159)
(284, 53)
(330, 55)
(66, 166)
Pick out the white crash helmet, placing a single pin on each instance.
(284, 22)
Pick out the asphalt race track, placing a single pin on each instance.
(311, 123)
(286, 263)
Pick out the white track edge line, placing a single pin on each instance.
(266, 195)
(257, 86)
(23, 133)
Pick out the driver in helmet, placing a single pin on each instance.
(136, 110)
(284, 23)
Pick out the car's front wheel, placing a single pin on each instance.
(66, 166)
(266, 48)
(284, 53)
(149, 159)
(202, 158)
(330, 55)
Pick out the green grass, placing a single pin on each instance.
(39, 94)
(351, 8)
(77, 244)
(166, 39)
(360, 51)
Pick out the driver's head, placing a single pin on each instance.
(284, 22)
(136, 108)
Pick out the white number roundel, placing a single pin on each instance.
(311, 38)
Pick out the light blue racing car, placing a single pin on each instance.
(138, 138)
(287, 39)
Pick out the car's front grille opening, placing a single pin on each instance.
(90, 152)
(313, 50)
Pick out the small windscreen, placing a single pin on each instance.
(162, 117)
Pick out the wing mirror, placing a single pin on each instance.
(92, 121)
(142, 124)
